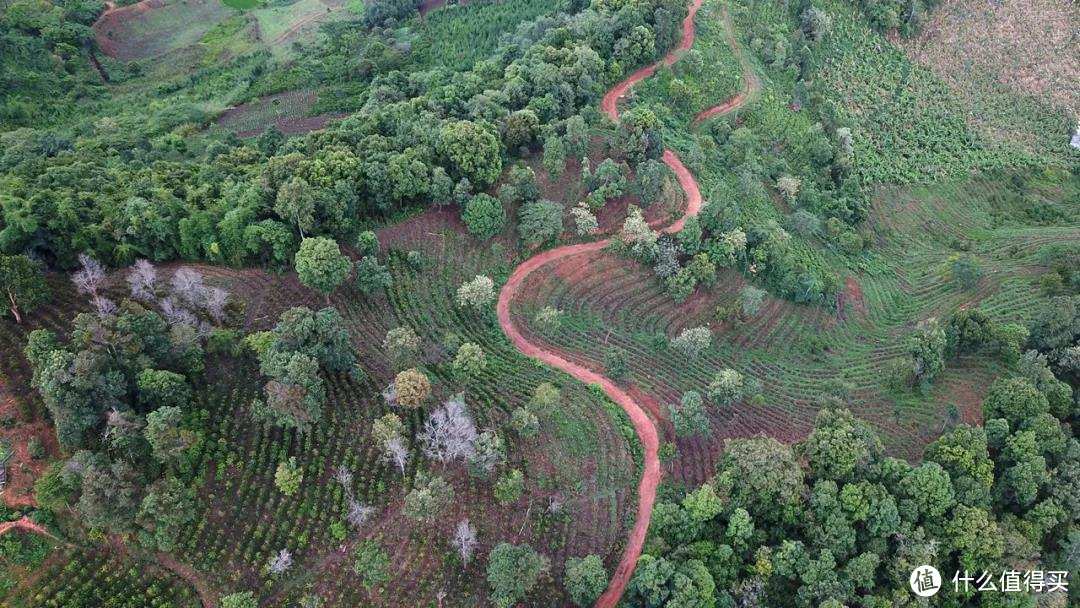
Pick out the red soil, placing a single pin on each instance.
(643, 424)
(24, 524)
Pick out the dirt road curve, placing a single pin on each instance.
(643, 425)
(25, 524)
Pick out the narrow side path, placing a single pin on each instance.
(643, 425)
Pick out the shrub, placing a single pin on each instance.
(524, 422)
(428, 497)
(371, 563)
(401, 344)
(548, 318)
(688, 416)
(484, 216)
(750, 300)
(243, 599)
(616, 364)
(965, 271)
(510, 486)
(288, 476)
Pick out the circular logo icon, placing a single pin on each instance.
(925, 581)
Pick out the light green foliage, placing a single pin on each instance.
(470, 360)
(428, 498)
(242, 599)
(288, 476)
(509, 486)
(371, 563)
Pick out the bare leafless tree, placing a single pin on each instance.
(142, 280)
(464, 540)
(175, 314)
(449, 432)
(281, 562)
(187, 284)
(88, 279)
(397, 453)
(358, 513)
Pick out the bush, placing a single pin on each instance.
(288, 476)
(726, 387)
(510, 486)
(616, 364)
(371, 563)
(484, 216)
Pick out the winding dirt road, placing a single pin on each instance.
(643, 425)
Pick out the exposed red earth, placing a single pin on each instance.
(24, 523)
(643, 424)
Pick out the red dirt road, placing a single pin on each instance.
(24, 524)
(643, 425)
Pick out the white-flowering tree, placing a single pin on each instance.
(693, 341)
(585, 221)
(449, 432)
(464, 541)
(477, 293)
(726, 387)
(638, 237)
(142, 280)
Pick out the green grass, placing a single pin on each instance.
(242, 4)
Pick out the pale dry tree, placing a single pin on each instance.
(89, 277)
(344, 476)
(216, 300)
(358, 513)
(142, 280)
(187, 284)
(397, 453)
(104, 306)
(464, 540)
(449, 432)
(280, 563)
(175, 314)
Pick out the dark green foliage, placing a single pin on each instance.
(22, 285)
(540, 222)
(585, 579)
(484, 216)
(513, 571)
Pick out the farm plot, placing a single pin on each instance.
(86, 578)
(152, 28)
(1013, 63)
(582, 459)
(800, 352)
(288, 112)
(457, 36)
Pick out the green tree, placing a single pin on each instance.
(513, 571)
(321, 266)
(167, 510)
(509, 486)
(585, 579)
(168, 441)
(371, 276)
(23, 284)
(288, 476)
(472, 151)
(484, 216)
(162, 388)
(540, 222)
